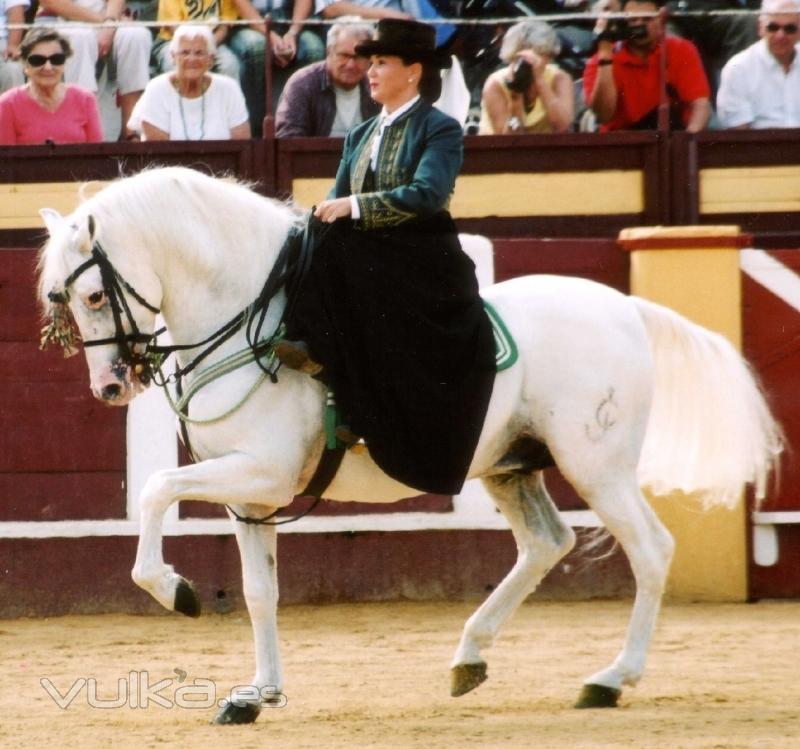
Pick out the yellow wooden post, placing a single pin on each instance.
(695, 271)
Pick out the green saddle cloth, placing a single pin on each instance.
(505, 348)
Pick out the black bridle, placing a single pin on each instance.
(290, 267)
(114, 286)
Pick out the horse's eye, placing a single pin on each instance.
(96, 299)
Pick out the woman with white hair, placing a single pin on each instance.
(531, 94)
(190, 102)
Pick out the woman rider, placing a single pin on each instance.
(390, 306)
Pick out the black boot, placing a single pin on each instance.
(345, 435)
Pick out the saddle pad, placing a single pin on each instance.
(505, 349)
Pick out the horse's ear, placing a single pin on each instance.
(83, 235)
(53, 220)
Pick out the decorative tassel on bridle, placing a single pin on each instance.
(61, 329)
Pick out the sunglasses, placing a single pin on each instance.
(788, 28)
(37, 61)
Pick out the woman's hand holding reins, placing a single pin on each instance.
(329, 210)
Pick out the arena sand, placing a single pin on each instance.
(377, 675)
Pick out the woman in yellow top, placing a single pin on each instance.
(531, 94)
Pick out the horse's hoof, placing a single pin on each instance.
(466, 676)
(237, 715)
(186, 599)
(596, 695)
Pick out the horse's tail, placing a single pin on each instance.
(710, 429)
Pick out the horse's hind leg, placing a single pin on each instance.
(649, 546)
(542, 539)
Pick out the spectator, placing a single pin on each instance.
(11, 11)
(531, 94)
(623, 82)
(377, 9)
(128, 47)
(190, 102)
(293, 47)
(240, 49)
(760, 86)
(717, 37)
(329, 97)
(45, 109)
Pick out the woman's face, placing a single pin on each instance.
(45, 64)
(391, 82)
(192, 59)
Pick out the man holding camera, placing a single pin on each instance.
(624, 80)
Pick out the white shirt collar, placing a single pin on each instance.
(385, 120)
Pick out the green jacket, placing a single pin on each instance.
(420, 158)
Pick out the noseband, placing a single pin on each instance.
(114, 287)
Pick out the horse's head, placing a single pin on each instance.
(87, 298)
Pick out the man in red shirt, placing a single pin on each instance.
(622, 81)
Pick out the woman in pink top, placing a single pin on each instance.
(45, 109)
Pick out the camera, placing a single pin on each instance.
(521, 76)
(618, 30)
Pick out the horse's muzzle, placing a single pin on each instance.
(111, 392)
(117, 385)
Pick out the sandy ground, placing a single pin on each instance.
(377, 675)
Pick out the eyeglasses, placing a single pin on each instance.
(347, 57)
(187, 53)
(788, 28)
(37, 61)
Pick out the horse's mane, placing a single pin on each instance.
(204, 221)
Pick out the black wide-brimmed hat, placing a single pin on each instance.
(412, 40)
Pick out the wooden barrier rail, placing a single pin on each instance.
(573, 185)
(746, 177)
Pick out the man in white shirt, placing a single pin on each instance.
(11, 11)
(760, 86)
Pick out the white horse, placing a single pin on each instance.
(622, 393)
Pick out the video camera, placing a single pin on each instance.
(619, 30)
(521, 76)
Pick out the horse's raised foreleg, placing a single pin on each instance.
(649, 546)
(542, 539)
(232, 479)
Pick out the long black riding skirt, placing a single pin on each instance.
(395, 317)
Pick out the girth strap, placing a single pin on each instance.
(328, 465)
